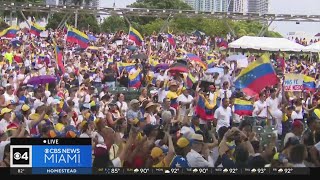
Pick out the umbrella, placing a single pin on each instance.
(92, 38)
(16, 43)
(182, 61)
(178, 67)
(161, 67)
(197, 60)
(198, 33)
(132, 48)
(242, 60)
(236, 57)
(215, 70)
(42, 79)
(140, 56)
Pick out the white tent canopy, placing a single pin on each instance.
(315, 47)
(266, 44)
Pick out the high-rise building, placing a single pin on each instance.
(191, 3)
(220, 6)
(52, 2)
(241, 6)
(258, 6)
(92, 3)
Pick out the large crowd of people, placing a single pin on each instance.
(154, 124)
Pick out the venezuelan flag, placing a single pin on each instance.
(127, 66)
(173, 96)
(204, 109)
(135, 36)
(190, 80)
(59, 58)
(258, 75)
(223, 44)
(166, 85)
(197, 59)
(93, 49)
(171, 40)
(211, 60)
(110, 60)
(78, 37)
(36, 29)
(243, 107)
(10, 32)
(309, 83)
(135, 80)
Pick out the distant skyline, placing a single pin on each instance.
(308, 7)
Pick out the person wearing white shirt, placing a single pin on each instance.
(123, 106)
(225, 92)
(226, 77)
(185, 101)
(6, 118)
(260, 110)
(223, 114)
(162, 93)
(194, 158)
(297, 114)
(161, 76)
(213, 94)
(273, 103)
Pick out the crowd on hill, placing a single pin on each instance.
(173, 101)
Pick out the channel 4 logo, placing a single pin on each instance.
(20, 156)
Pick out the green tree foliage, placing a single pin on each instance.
(161, 4)
(180, 24)
(85, 22)
(113, 24)
(3, 25)
(156, 4)
(36, 15)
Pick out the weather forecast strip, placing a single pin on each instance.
(51, 156)
(201, 171)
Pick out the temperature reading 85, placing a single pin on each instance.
(115, 170)
(203, 171)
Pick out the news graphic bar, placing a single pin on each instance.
(50, 171)
(51, 156)
(161, 171)
(50, 141)
(69, 171)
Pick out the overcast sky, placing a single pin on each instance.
(308, 7)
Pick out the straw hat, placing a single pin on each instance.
(149, 105)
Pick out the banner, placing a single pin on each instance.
(293, 82)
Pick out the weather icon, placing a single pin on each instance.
(253, 170)
(225, 170)
(280, 170)
(195, 170)
(136, 170)
(167, 171)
